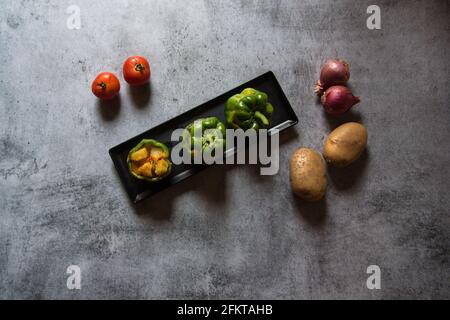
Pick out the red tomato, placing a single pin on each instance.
(106, 86)
(136, 70)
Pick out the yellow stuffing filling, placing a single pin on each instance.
(156, 154)
(145, 169)
(139, 155)
(149, 162)
(161, 167)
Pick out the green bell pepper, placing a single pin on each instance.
(149, 160)
(248, 110)
(211, 134)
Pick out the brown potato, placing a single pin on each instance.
(345, 144)
(307, 174)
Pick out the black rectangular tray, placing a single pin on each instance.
(282, 118)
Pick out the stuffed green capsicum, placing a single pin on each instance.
(248, 110)
(149, 160)
(206, 134)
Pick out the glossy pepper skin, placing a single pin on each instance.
(154, 144)
(248, 110)
(212, 134)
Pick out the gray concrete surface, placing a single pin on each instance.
(227, 232)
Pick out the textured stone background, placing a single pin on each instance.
(227, 232)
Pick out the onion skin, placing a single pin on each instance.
(334, 72)
(338, 100)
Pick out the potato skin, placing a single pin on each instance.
(345, 144)
(307, 174)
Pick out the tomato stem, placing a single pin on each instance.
(102, 85)
(139, 67)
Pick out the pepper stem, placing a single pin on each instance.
(262, 117)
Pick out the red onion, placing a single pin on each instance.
(338, 99)
(334, 72)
